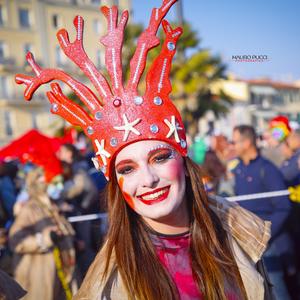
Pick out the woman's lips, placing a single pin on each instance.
(155, 196)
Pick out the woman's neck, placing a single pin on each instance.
(178, 222)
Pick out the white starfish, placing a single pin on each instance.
(101, 151)
(127, 127)
(173, 127)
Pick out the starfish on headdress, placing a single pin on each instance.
(127, 127)
(173, 127)
(101, 151)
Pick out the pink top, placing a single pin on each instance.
(173, 252)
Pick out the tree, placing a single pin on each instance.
(193, 72)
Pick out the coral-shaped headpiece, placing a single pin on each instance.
(118, 116)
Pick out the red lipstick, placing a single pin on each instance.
(159, 198)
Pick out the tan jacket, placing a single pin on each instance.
(30, 241)
(247, 233)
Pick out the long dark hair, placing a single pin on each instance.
(145, 278)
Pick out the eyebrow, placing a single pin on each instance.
(150, 153)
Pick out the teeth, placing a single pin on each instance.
(154, 195)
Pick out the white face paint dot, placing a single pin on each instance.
(183, 143)
(138, 100)
(171, 46)
(98, 115)
(154, 128)
(90, 130)
(113, 142)
(157, 100)
(54, 107)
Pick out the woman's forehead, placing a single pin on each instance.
(140, 149)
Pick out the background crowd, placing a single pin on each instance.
(49, 256)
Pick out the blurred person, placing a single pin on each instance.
(7, 204)
(42, 242)
(9, 288)
(212, 166)
(291, 173)
(255, 174)
(7, 191)
(273, 138)
(291, 167)
(80, 192)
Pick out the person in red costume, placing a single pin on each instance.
(166, 239)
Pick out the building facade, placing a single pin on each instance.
(31, 25)
(257, 101)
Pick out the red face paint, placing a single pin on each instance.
(126, 196)
(175, 168)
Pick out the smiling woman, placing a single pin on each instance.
(166, 240)
(153, 180)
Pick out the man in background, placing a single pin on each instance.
(255, 174)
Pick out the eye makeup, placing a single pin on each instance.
(162, 147)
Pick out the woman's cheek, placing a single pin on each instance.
(173, 170)
(126, 196)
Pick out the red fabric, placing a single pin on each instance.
(38, 149)
(173, 252)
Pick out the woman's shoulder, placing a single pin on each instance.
(249, 231)
(94, 286)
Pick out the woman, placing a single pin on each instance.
(166, 239)
(42, 242)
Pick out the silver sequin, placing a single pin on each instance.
(157, 100)
(183, 143)
(113, 142)
(138, 100)
(54, 107)
(154, 128)
(90, 130)
(171, 46)
(98, 115)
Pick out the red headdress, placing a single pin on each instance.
(280, 128)
(118, 116)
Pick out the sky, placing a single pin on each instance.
(239, 27)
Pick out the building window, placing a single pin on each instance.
(97, 26)
(59, 56)
(96, 2)
(24, 19)
(34, 120)
(27, 48)
(56, 21)
(2, 49)
(8, 123)
(3, 87)
(1, 15)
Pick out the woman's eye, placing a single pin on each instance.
(163, 157)
(125, 170)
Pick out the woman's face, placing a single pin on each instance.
(151, 176)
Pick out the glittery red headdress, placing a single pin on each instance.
(118, 116)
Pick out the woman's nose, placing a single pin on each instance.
(149, 178)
